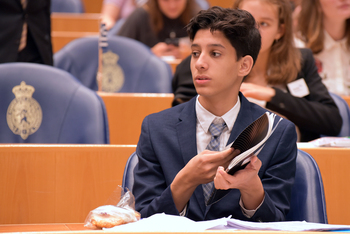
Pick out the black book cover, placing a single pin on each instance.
(249, 142)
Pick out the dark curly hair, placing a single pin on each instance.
(238, 26)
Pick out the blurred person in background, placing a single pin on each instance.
(324, 27)
(160, 24)
(114, 10)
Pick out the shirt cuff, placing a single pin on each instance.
(248, 213)
(183, 212)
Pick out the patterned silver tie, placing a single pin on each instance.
(216, 128)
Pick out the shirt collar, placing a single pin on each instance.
(205, 118)
(329, 42)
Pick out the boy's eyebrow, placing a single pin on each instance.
(210, 45)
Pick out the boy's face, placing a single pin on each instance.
(215, 70)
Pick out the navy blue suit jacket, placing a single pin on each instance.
(168, 141)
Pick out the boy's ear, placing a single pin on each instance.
(245, 66)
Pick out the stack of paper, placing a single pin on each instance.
(172, 223)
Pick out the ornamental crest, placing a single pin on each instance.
(112, 73)
(24, 114)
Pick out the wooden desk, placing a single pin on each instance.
(334, 166)
(60, 39)
(222, 3)
(57, 183)
(126, 112)
(51, 227)
(78, 228)
(66, 27)
(93, 6)
(72, 22)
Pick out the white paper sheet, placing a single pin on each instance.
(168, 223)
(284, 226)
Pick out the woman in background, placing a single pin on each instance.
(114, 10)
(324, 27)
(284, 78)
(160, 24)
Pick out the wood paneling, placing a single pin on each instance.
(70, 22)
(126, 112)
(222, 3)
(93, 6)
(57, 183)
(60, 39)
(68, 26)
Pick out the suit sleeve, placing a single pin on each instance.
(316, 112)
(278, 175)
(152, 193)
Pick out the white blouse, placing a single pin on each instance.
(333, 64)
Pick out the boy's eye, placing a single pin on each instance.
(195, 53)
(216, 54)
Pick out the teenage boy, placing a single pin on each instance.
(178, 161)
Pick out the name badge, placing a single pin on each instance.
(298, 88)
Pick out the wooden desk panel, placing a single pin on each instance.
(78, 228)
(334, 166)
(222, 3)
(72, 22)
(126, 112)
(93, 6)
(57, 183)
(60, 39)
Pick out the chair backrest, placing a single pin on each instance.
(128, 176)
(116, 27)
(67, 6)
(43, 104)
(344, 112)
(308, 200)
(143, 71)
(204, 4)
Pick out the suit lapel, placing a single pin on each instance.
(186, 132)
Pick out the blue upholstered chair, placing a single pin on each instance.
(43, 104)
(345, 114)
(307, 203)
(67, 6)
(116, 27)
(204, 4)
(144, 72)
(128, 176)
(308, 200)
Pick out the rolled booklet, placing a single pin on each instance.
(249, 142)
